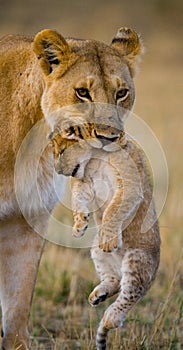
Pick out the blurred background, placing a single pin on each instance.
(158, 102)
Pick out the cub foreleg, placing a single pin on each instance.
(124, 204)
(82, 195)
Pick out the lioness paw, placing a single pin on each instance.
(80, 224)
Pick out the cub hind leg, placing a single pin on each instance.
(138, 271)
(109, 273)
(20, 252)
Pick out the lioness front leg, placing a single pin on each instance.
(20, 252)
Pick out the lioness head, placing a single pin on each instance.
(78, 71)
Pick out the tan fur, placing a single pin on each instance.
(126, 258)
(60, 143)
(33, 89)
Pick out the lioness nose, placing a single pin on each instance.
(106, 139)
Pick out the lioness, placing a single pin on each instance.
(37, 78)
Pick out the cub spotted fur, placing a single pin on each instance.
(38, 76)
(126, 256)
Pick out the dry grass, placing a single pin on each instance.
(62, 319)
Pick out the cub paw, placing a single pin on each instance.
(113, 318)
(80, 224)
(97, 296)
(108, 243)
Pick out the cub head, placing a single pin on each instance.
(86, 71)
(74, 146)
(70, 155)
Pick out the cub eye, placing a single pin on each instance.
(83, 94)
(122, 94)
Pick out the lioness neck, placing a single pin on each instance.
(22, 84)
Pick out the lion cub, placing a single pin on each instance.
(127, 244)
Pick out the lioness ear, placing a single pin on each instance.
(129, 45)
(51, 49)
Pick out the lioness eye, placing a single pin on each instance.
(122, 94)
(83, 94)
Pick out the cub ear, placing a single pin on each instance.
(129, 45)
(51, 49)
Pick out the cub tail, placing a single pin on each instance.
(101, 336)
